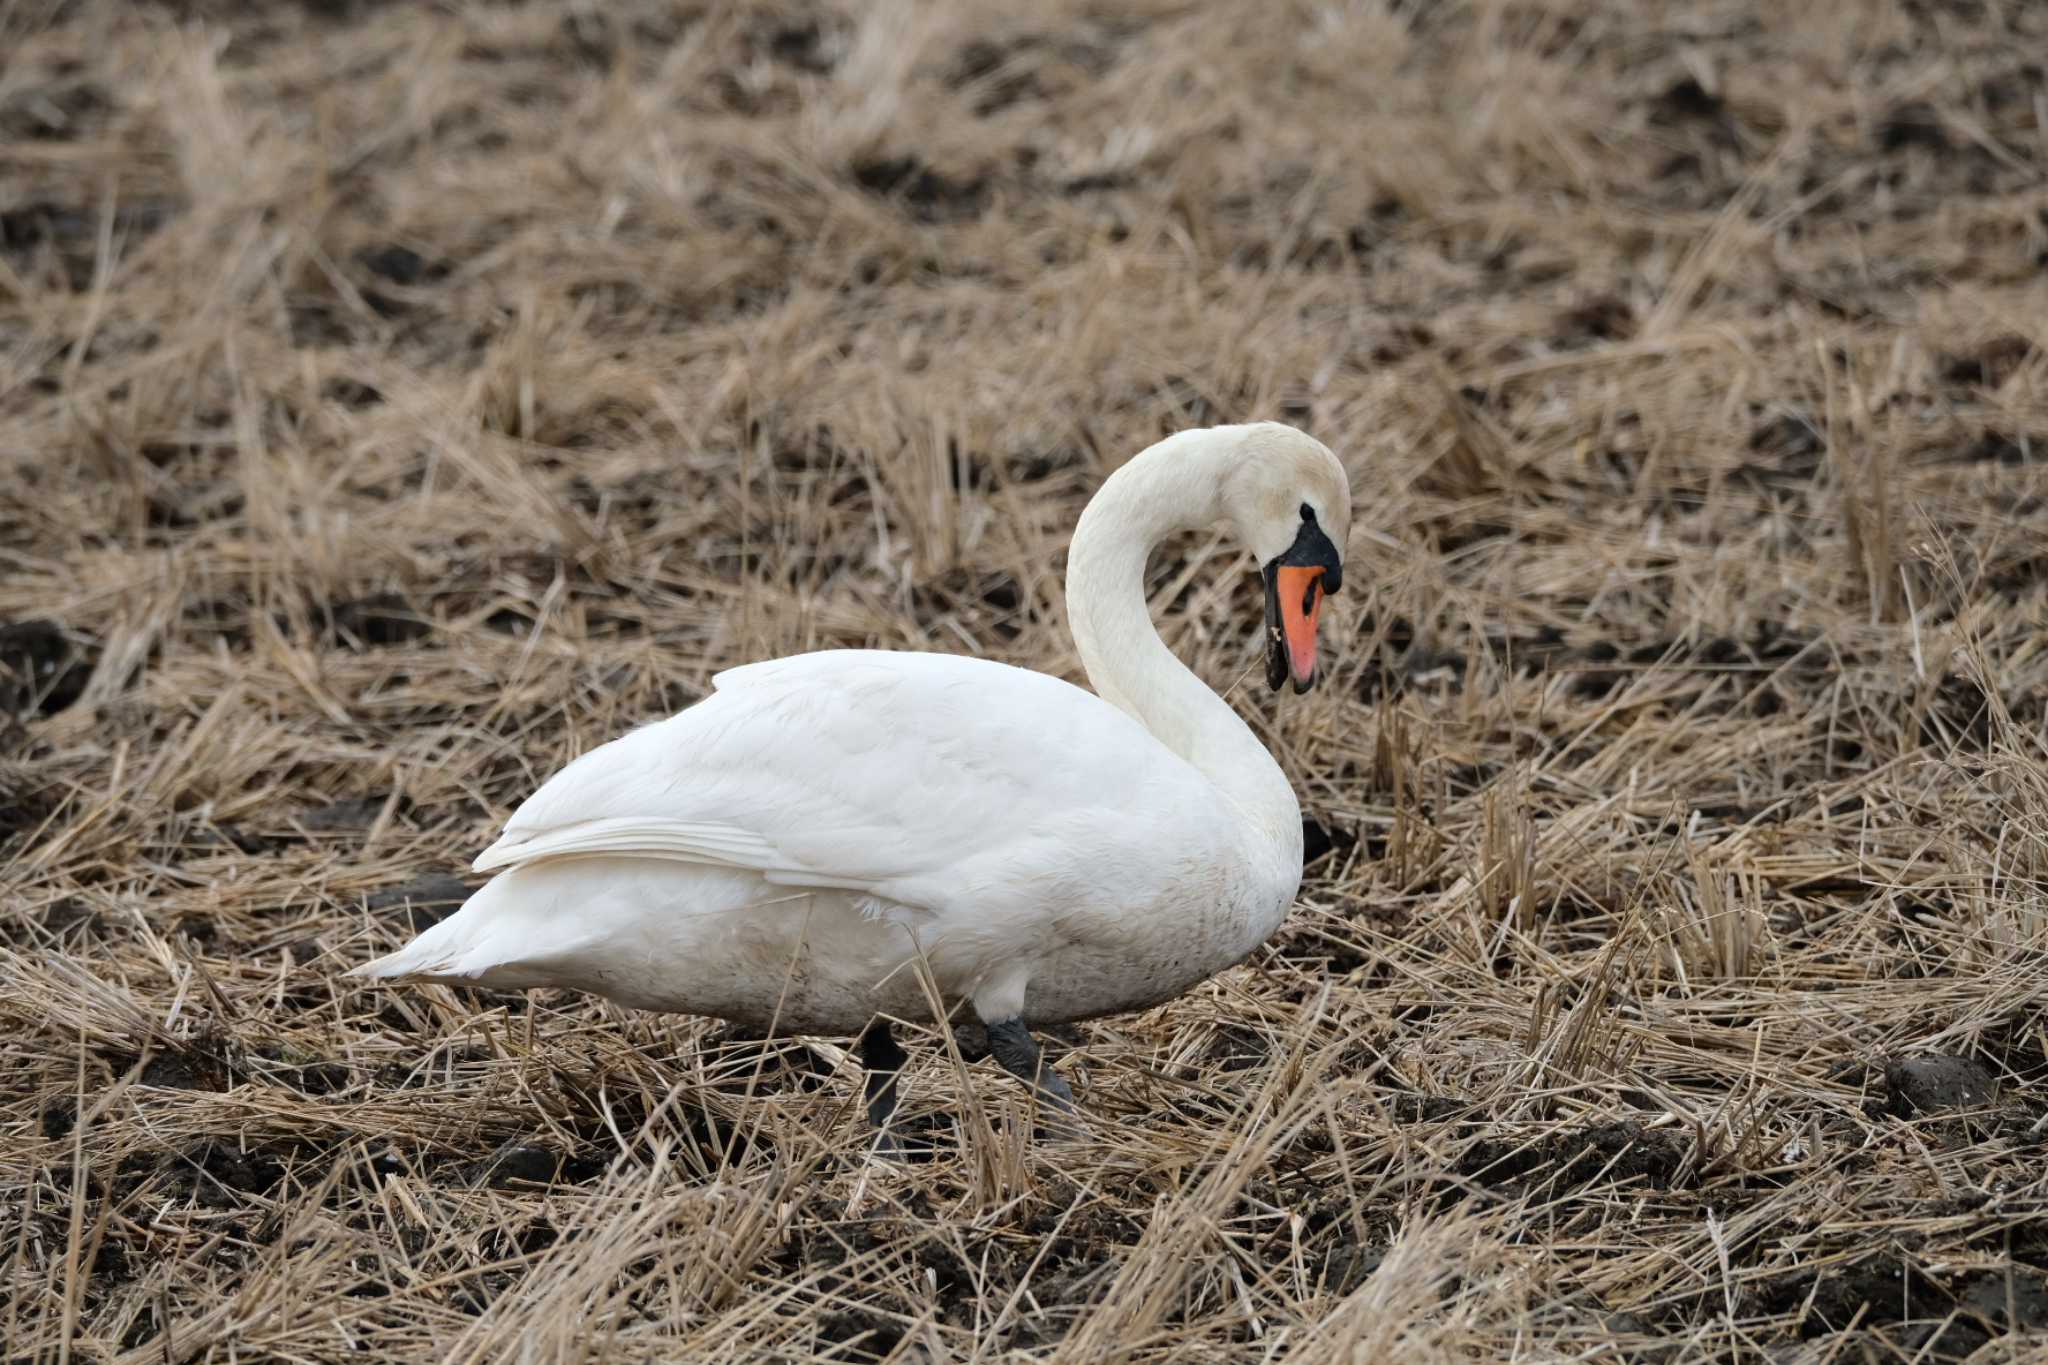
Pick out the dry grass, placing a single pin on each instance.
(396, 401)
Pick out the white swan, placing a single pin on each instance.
(781, 852)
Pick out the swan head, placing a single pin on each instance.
(1289, 500)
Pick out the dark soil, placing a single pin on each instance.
(43, 668)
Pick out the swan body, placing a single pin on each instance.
(785, 853)
(778, 853)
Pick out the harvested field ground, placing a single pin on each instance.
(396, 401)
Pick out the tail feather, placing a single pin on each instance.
(443, 951)
(509, 935)
(589, 924)
(429, 955)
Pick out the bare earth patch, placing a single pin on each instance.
(396, 401)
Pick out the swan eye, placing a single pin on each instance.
(1308, 513)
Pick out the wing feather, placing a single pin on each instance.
(900, 775)
(648, 836)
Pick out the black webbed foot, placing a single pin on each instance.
(1018, 1053)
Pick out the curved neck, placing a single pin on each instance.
(1168, 487)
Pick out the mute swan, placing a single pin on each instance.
(780, 853)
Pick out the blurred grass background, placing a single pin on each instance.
(396, 400)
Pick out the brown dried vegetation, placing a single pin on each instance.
(395, 401)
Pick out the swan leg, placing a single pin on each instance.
(883, 1057)
(1017, 1052)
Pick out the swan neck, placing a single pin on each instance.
(1170, 487)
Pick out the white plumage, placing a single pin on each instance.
(780, 853)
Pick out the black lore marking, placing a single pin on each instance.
(1312, 549)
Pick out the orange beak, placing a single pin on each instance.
(1296, 580)
(1294, 600)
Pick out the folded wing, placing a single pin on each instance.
(914, 778)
